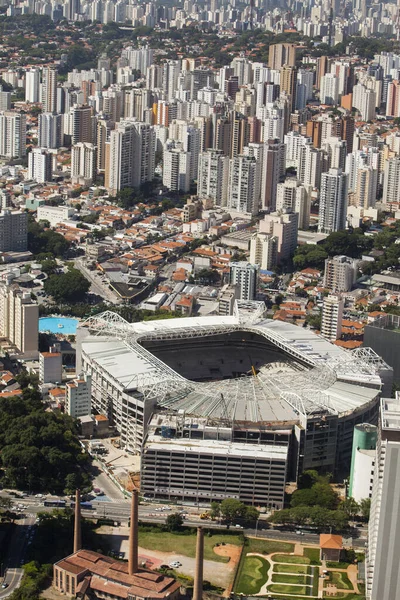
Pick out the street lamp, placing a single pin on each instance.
(256, 528)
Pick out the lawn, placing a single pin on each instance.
(295, 590)
(287, 558)
(303, 579)
(267, 546)
(165, 541)
(253, 575)
(341, 580)
(337, 565)
(301, 569)
(315, 580)
(313, 555)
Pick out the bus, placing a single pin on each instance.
(84, 505)
(55, 503)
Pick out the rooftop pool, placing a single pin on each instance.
(60, 325)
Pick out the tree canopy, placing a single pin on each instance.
(45, 241)
(71, 286)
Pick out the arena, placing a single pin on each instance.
(267, 382)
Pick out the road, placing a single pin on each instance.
(12, 566)
(97, 286)
(119, 511)
(104, 482)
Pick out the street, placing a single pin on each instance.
(97, 286)
(12, 566)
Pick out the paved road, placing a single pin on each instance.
(97, 286)
(15, 558)
(109, 488)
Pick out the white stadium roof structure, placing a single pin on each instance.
(322, 378)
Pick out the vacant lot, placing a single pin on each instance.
(253, 575)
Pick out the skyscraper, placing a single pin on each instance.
(245, 276)
(288, 83)
(292, 196)
(329, 93)
(12, 134)
(304, 88)
(243, 185)
(49, 130)
(280, 55)
(213, 176)
(32, 85)
(333, 201)
(283, 226)
(176, 168)
(383, 550)
(332, 316)
(19, 318)
(273, 169)
(40, 165)
(49, 89)
(391, 187)
(83, 163)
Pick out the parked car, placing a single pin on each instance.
(175, 564)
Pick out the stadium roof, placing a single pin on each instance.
(324, 379)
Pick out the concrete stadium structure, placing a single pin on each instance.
(268, 382)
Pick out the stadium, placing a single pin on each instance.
(265, 382)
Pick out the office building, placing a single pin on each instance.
(362, 461)
(176, 168)
(245, 277)
(213, 176)
(340, 273)
(40, 165)
(281, 55)
(50, 130)
(12, 135)
(32, 85)
(49, 89)
(332, 316)
(283, 226)
(243, 185)
(19, 319)
(333, 201)
(78, 397)
(83, 163)
(50, 367)
(383, 549)
(264, 250)
(13, 231)
(391, 181)
(292, 196)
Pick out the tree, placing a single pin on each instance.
(232, 509)
(214, 511)
(365, 507)
(251, 514)
(49, 266)
(308, 478)
(174, 522)
(350, 507)
(71, 286)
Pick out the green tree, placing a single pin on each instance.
(350, 507)
(174, 522)
(232, 509)
(71, 286)
(365, 507)
(214, 511)
(251, 514)
(49, 266)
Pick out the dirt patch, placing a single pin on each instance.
(230, 550)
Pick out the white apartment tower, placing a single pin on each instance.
(292, 196)
(284, 226)
(176, 169)
(32, 85)
(333, 201)
(264, 250)
(391, 187)
(50, 131)
(83, 163)
(243, 185)
(213, 176)
(329, 93)
(40, 165)
(12, 135)
(19, 319)
(78, 397)
(340, 273)
(332, 316)
(383, 550)
(310, 166)
(245, 277)
(49, 89)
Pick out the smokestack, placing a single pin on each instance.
(133, 535)
(77, 524)
(198, 576)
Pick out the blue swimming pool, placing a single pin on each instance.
(61, 325)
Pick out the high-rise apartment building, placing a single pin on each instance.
(12, 134)
(310, 166)
(176, 168)
(281, 55)
(264, 250)
(243, 185)
(333, 201)
(391, 185)
(79, 124)
(332, 316)
(83, 163)
(5, 99)
(213, 176)
(50, 367)
(32, 85)
(40, 165)
(50, 130)
(383, 550)
(329, 93)
(283, 226)
(245, 277)
(49, 89)
(340, 273)
(288, 82)
(19, 318)
(292, 196)
(78, 396)
(304, 88)
(273, 169)
(13, 231)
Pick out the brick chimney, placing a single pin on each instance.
(133, 535)
(77, 523)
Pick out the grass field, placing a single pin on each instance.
(303, 579)
(186, 544)
(287, 558)
(253, 575)
(337, 565)
(312, 554)
(293, 590)
(267, 546)
(341, 580)
(301, 569)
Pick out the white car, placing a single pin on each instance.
(175, 564)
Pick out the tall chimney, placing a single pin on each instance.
(77, 524)
(198, 576)
(133, 535)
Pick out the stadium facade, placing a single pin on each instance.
(185, 392)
